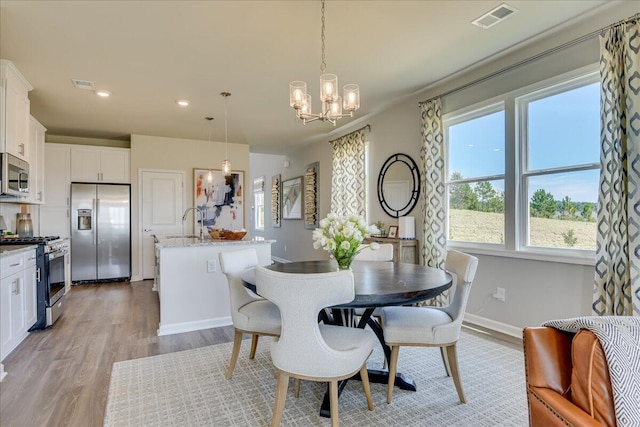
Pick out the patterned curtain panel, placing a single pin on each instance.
(348, 182)
(617, 277)
(432, 180)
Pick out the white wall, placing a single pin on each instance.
(535, 290)
(151, 152)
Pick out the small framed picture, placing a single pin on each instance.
(393, 231)
(292, 198)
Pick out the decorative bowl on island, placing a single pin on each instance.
(222, 234)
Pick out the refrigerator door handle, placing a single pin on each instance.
(96, 202)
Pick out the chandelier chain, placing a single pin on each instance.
(323, 65)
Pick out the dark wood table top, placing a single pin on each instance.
(377, 284)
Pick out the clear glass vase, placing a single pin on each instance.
(344, 263)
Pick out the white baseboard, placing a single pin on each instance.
(513, 331)
(136, 278)
(276, 259)
(177, 328)
(2, 372)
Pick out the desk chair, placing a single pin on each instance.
(432, 326)
(250, 314)
(306, 349)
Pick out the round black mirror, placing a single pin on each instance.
(398, 185)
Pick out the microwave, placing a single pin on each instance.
(14, 176)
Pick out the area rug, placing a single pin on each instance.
(188, 388)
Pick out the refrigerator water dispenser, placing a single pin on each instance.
(84, 219)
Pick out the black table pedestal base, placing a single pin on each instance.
(375, 376)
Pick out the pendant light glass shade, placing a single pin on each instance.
(226, 166)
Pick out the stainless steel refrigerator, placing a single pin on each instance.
(100, 232)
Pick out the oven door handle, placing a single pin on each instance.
(56, 254)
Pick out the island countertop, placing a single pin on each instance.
(187, 241)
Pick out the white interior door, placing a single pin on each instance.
(162, 200)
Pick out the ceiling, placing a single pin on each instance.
(151, 53)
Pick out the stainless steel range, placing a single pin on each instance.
(52, 262)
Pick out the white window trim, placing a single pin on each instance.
(514, 179)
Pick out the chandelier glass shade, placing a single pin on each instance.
(334, 106)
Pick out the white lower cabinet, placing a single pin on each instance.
(17, 299)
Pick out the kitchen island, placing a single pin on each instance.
(192, 290)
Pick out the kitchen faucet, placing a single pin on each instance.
(196, 211)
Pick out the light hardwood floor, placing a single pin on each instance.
(60, 376)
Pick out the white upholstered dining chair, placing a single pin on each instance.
(306, 349)
(383, 253)
(432, 326)
(250, 314)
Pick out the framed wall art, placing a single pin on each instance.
(221, 199)
(292, 198)
(311, 195)
(276, 205)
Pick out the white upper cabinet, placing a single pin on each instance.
(14, 111)
(57, 168)
(36, 162)
(100, 164)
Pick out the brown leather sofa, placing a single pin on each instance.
(568, 380)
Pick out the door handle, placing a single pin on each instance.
(95, 219)
(147, 230)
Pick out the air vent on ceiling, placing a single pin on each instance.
(494, 16)
(82, 84)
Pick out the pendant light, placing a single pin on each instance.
(226, 164)
(210, 173)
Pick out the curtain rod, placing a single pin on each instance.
(357, 130)
(534, 58)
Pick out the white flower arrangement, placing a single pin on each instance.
(342, 237)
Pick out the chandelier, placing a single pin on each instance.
(333, 105)
(226, 164)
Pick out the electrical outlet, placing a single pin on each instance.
(212, 266)
(500, 294)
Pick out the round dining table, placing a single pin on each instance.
(377, 284)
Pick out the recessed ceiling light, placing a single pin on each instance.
(183, 102)
(103, 93)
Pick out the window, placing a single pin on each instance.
(258, 203)
(522, 169)
(475, 176)
(560, 165)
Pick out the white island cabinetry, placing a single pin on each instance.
(192, 290)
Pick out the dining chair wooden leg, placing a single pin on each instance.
(453, 363)
(254, 345)
(296, 388)
(237, 341)
(282, 383)
(393, 366)
(445, 360)
(333, 395)
(364, 376)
